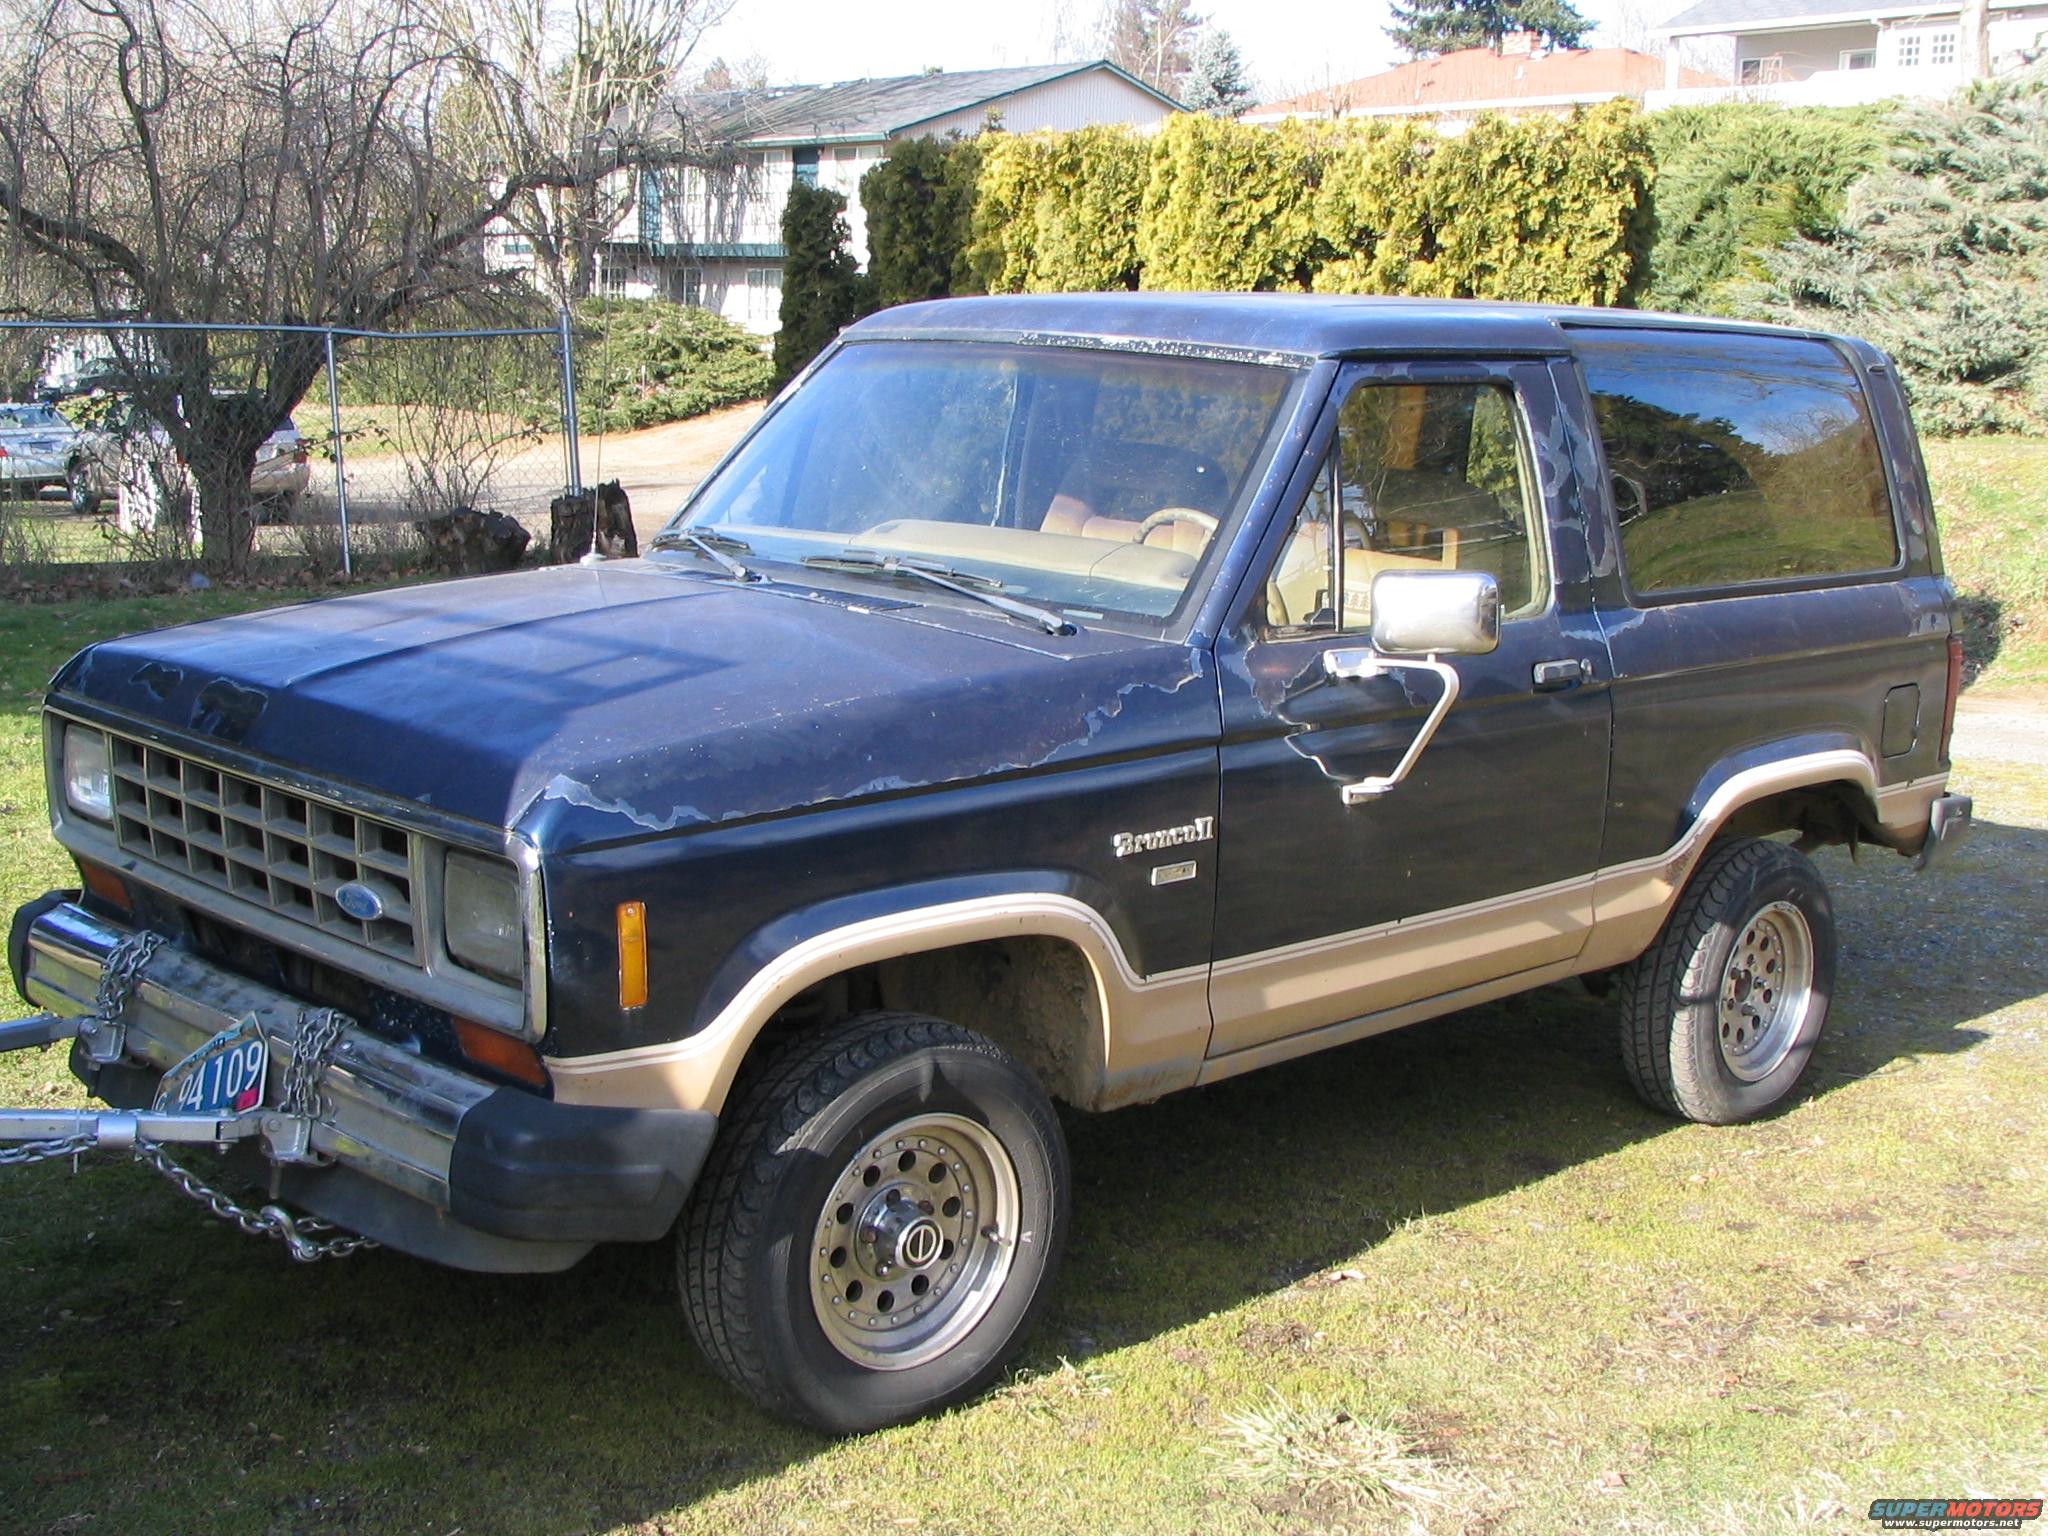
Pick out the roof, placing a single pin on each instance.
(1473, 76)
(1772, 15)
(1275, 327)
(878, 109)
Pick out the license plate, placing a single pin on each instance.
(223, 1077)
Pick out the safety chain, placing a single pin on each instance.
(24, 1152)
(319, 1029)
(301, 1234)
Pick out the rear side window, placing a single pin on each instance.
(1737, 459)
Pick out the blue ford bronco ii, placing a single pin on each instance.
(1068, 699)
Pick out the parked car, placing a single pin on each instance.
(40, 450)
(1051, 700)
(132, 461)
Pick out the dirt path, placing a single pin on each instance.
(2011, 727)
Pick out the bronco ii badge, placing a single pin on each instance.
(1201, 830)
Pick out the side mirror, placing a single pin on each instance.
(1435, 613)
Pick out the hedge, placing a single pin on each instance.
(1544, 209)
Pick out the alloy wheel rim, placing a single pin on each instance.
(914, 1241)
(1766, 991)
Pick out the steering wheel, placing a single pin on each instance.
(1165, 515)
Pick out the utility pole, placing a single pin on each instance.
(1976, 41)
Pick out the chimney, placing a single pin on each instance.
(1517, 45)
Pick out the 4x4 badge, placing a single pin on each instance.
(1201, 830)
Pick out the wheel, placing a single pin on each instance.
(878, 1224)
(1720, 1015)
(78, 491)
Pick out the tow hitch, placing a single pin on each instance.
(214, 1097)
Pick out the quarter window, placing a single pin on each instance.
(1423, 477)
(1737, 459)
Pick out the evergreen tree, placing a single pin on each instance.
(822, 289)
(1942, 259)
(1216, 81)
(920, 207)
(1426, 28)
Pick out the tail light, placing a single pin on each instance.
(1955, 691)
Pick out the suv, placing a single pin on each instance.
(1052, 699)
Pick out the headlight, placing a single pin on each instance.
(87, 787)
(480, 918)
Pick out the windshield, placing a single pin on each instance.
(1094, 483)
(29, 416)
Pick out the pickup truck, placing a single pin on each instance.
(1051, 701)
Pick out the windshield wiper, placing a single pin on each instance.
(983, 589)
(712, 546)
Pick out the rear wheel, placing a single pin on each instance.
(878, 1225)
(1719, 1017)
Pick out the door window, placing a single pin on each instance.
(1422, 477)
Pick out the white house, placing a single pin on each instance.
(714, 238)
(1841, 52)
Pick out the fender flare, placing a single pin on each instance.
(1132, 1011)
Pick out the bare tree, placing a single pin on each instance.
(1151, 39)
(289, 165)
(589, 85)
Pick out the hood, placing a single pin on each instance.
(628, 699)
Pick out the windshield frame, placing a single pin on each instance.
(1264, 473)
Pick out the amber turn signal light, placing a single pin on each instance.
(488, 1047)
(632, 954)
(106, 885)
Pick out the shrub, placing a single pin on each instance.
(1737, 180)
(1058, 211)
(920, 210)
(1231, 207)
(642, 362)
(1942, 259)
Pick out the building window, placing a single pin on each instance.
(692, 288)
(1941, 48)
(806, 161)
(1859, 58)
(764, 293)
(650, 208)
(1909, 50)
(518, 247)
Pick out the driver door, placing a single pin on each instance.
(1479, 864)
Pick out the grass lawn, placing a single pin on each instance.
(1452, 1279)
(1991, 497)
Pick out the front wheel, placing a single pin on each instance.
(878, 1224)
(78, 491)
(1720, 1015)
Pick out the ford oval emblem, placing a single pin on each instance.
(359, 901)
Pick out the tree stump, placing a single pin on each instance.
(474, 542)
(606, 510)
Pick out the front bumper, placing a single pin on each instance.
(422, 1157)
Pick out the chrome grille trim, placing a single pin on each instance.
(274, 847)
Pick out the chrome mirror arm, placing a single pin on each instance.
(1360, 665)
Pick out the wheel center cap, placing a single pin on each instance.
(906, 1236)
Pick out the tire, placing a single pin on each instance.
(1705, 1034)
(78, 491)
(859, 1171)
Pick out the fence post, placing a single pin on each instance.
(569, 406)
(340, 468)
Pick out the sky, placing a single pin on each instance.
(1287, 45)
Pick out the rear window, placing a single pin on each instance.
(1735, 459)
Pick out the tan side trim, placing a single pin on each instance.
(1154, 1028)
(1285, 991)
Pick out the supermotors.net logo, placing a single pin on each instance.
(1954, 1514)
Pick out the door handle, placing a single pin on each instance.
(1360, 665)
(1550, 676)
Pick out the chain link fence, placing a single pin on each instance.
(397, 432)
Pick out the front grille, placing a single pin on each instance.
(285, 851)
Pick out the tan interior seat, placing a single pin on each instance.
(1073, 516)
(1300, 583)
